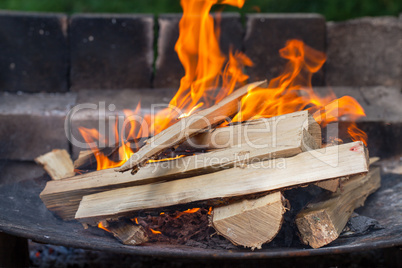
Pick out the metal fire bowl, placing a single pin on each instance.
(22, 213)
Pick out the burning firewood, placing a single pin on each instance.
(256, 140)
(234, 135)
(126, 232)
(189, 126)
(210, 139)
(306, 167)
(250, 223)
(57, 163)
(322, 221)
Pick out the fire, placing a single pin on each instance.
(155, 232)
(188, 211)
(101, 226)
(204, 64)
(292, 91)
(205, 69)
(210, 76)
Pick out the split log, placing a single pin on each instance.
(322, 221)
(127, 232)
(188, 127)
(234, 135)
(210, 139)
(250, 223)
(306, 167)
(84, 157)
(57, 163)
(330, 185)
(264, 139)
(334, 184)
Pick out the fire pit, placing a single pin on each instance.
(24, 214)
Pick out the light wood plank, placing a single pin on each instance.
(256, 140)
(307, 167)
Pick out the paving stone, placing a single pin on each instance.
(33, 124)
(383, 121)
(169, 70)
(380, 103)
(365, 52)
(33, 52)
(113, 103)
(266, 34)
(15, 171)
(111, 51)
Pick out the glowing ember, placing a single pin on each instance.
(155, 232)
(78, 171)
(101, 226)
(209, 210)
(165, 159)
(188, 211)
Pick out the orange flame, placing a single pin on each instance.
(292, 91)
(203, 62)
(188, 211)
(210, 76)
(209, 211)
(101, 226)
(205, 67)
(155, 232)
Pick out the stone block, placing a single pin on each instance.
(383, 121)
(168, 69)
(33, 52)
(33, 124)
(111, 51)
(364, 52)
(266, 34)
(102, 110)
(380, 103)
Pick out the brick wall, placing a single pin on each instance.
(48, 62)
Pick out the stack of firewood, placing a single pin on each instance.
(242, 174)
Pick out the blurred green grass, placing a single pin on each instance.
(331, 9)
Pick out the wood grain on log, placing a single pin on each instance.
(127, 232)
(57, 163)
(306, 167)
(323, 220)
(250, 223)
(257, 140)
